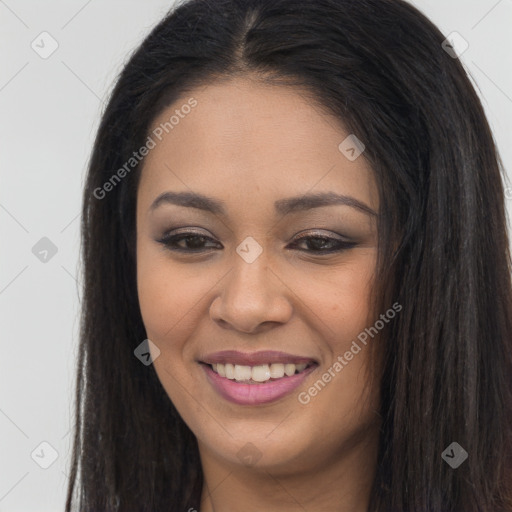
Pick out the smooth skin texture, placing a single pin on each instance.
(248, 145)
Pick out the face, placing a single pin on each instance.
(261, 270)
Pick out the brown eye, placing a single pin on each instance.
(187, 242)
(322, 244)
(192, 242)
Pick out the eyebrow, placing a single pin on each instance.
(282, 206)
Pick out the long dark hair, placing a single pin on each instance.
(379, 66)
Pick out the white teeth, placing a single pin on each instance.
(242, 372)
(220, 369)
(230, 371)
(260, 373)
(277, 370)
(289, 369)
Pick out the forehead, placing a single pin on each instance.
(244, 139)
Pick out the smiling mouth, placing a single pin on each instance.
(259, 374)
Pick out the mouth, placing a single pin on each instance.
(257, 383)
(258, 374)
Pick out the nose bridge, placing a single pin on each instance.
(250, 262)
(251, 294)
(250, 275)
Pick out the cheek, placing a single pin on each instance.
(341, 298)
(165, 293)
(169, 300)
(341, 301)
(350, 313)
(173, 297)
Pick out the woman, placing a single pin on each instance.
(297, 290)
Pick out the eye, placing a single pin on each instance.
(190, 241)
(194, 242)
(322, 244)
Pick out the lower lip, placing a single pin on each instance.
(255, 394)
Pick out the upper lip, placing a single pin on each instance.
(254, 358)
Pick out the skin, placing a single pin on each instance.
(249, 144)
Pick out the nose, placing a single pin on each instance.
(253, 298)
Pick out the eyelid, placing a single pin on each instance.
(315, 232)
(343, 243)
(184, 232)
(179, 234)
(320, 233)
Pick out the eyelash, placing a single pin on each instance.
(170, 241)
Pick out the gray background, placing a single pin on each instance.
(50, 112)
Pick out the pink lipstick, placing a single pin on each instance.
(256, 378)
